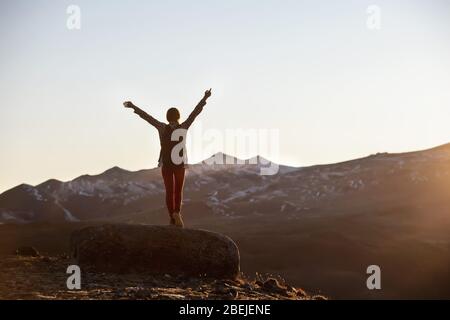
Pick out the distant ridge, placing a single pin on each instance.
(230, 190)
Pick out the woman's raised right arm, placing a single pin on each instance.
(144, 115)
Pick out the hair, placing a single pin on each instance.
(173, 115)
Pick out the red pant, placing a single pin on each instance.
(174, 181)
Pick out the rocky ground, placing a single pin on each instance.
(45, 277)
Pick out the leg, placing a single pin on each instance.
(178, 190)
(168, 178)
(179, 184)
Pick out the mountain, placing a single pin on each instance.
(229, 187)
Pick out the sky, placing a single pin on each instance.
(330, 86)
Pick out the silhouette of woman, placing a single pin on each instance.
(172, 163)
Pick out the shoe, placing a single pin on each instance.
(178, 220)
(172, 221)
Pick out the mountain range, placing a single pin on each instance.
(234, 190)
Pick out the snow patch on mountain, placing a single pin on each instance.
(69, 216)
(11, 217)
(34, 193)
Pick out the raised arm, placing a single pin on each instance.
(186, 124)
(144, 115)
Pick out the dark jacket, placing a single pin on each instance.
(165, 132)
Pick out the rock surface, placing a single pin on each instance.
(27, 252)
(156, 250)
(44, 278)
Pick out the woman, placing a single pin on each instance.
(172, 163)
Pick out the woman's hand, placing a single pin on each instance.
(207, 94)
(129, 104)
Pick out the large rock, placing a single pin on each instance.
(155, 250)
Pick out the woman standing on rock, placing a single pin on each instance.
(172, 158)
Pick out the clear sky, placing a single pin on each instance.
(334, 88)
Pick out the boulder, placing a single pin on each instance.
(156, 250)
